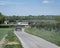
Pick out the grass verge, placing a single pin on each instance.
(13, 40)
(51, 36)
(4, 31)
(13, 46)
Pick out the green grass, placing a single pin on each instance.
(4, 31)
(11, 37)
(51, 36)
(13, 46)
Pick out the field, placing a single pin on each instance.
(11, 38)
(52, 36)
(4, 31)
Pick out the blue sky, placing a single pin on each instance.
(30, 7)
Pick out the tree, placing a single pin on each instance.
(2, 18)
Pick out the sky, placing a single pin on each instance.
(30, 7)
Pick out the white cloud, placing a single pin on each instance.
(46, 1)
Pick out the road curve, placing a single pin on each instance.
(31, 41)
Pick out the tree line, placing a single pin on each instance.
(29, 17)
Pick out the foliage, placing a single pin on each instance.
(2, 18)
(28, 18)
(4, 31)
(52, 36)
(13, 46)
(11, 37)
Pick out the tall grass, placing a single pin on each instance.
(4, 31)
(13, 46)
(51, 36)
(11, 37)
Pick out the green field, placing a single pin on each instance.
(11, 37)
(51, 36)
(4, 31)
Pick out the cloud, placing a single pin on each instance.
(46, 1)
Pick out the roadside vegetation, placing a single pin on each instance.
(48, 32)
(11, 36)
(13, 46)
(12, 41)
(4, 31)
